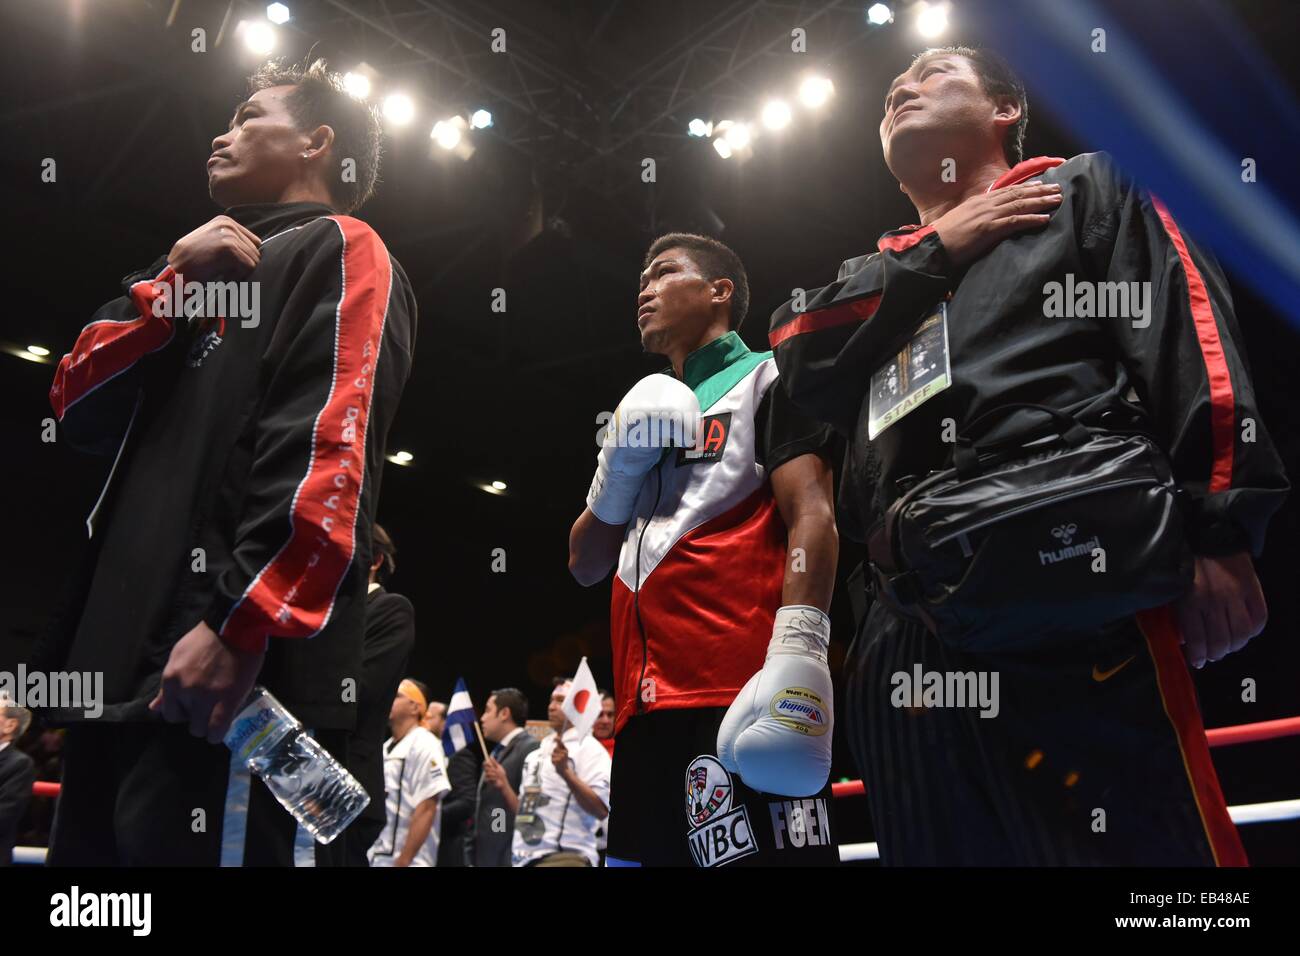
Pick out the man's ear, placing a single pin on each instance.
(1006, 111)
(320, 140)
(722, 290)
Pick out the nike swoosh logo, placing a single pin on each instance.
(1100, 676)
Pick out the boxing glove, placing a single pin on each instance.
(777, 732)
(656, 413)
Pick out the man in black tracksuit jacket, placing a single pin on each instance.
(232, 540)
(1091, 722)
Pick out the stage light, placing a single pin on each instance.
(398, 109)
(724, 150)
(499, 485)
(356, 85)
(776, 114)
(277, 13)
(698, 127)
(931, 19)
(879, 14)
(480, 119)
(815, 91)
(401, 458)
(39, 350)
(492, 488)
(259, 37)
(737, 135)
(445, 134)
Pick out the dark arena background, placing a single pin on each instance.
(496, 429)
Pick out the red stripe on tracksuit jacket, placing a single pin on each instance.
(292, 594)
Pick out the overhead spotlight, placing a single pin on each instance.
(492, 488)
(723, 148)
(446, 134)
(698, 127)
(879, 14)
(259, 36)
(499, 485)
(32, 353)
(277, 13)
(738, 135)
(398, 109)
(401, 458)
(931, 19)
(815, 91)
(480, 119)
(357, 85)
(776, 114)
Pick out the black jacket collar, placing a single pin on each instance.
(266, 219)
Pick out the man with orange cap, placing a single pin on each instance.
(415, 779)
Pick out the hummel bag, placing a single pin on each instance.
(1033, 537)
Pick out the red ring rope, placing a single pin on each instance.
(1219, 737)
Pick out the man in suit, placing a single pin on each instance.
(16, 775)
(464, 769)
(494, 825)
(390, 637)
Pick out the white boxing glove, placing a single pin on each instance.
(777, 732)
(658, 412)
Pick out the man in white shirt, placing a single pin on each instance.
(415, 778)
(564, 795)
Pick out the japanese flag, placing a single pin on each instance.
(582, 706)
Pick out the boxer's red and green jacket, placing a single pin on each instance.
(248, 460)
(703, 559)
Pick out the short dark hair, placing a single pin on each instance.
(320, 99)
(514, 700)
(382, 545)
(996, 79)
(716, 260)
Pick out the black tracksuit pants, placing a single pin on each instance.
(1096, 754)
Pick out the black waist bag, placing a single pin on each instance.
(1006, 549)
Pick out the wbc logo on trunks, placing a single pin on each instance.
(708, 790)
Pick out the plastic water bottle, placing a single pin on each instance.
(311, 785)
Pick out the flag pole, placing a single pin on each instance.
(478, 730)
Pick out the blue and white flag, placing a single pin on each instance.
(459, 729)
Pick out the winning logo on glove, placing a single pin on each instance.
(800, 709)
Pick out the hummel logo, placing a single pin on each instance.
(1065, 532)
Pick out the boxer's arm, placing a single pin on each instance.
(803, 491)
(827, 350)
(593, 548)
